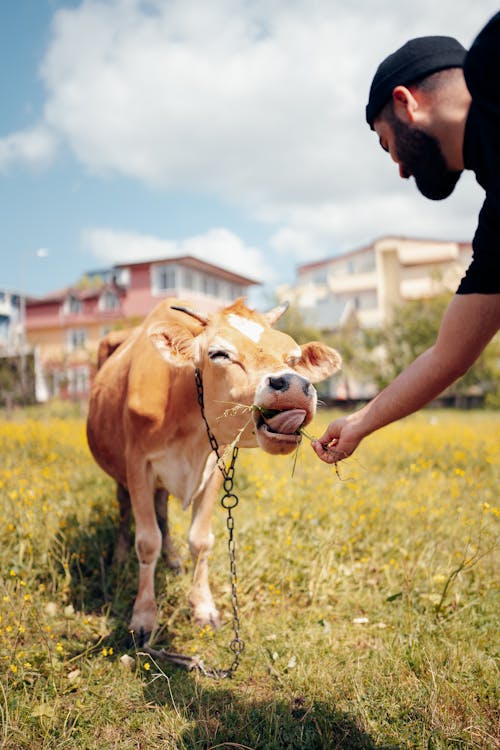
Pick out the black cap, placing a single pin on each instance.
(416, 59)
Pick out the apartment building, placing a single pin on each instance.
(366, 285)
(362, 288)
(65, 327)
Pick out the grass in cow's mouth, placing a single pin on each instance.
(237, 408)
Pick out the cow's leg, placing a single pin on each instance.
(168, 551)
(147, 545)
(201, 541)
(122, 544)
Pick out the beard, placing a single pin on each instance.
(421, 156)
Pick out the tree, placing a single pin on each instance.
(293, 323)
(413, 329)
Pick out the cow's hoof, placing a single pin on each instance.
(204, 617)
(139, 638)
(173, 563)
(143, 623)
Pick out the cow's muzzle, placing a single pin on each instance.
(285, 403)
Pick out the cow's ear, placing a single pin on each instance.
(272, 316)
(318, 361)
(176, 344)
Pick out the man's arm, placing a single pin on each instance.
(469, 323)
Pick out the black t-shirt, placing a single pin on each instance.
(482, 155)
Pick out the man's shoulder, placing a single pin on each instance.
(481, 62)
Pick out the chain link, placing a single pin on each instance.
(229, 501)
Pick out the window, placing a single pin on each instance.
(236, 291)
(320, 276)
(164, 278)
(210, 286)
(4, 328)
(72, 305)
(78, 381)
(76, 339)
(189, 279)
(109, 301)
(122, 277)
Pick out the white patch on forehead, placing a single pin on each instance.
(248, 328)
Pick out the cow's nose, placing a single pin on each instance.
(280, 383)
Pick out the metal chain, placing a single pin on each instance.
(229, 501)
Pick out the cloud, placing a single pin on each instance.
(258, 104)
(218, 246)
(35, 147)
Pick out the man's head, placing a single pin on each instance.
(414, 61)
(419, 71)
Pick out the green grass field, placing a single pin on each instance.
(368, 604)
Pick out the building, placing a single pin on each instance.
(367, 284)
(11, 333)
(65, 327)
(363, 287)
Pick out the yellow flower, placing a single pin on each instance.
(147, 666)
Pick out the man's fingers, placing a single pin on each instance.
(327, 451)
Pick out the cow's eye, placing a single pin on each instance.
(294, 358)
(218, 354)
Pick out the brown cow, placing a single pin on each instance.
(145, 427)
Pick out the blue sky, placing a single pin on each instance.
(230, 130)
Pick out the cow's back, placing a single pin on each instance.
(131, 392)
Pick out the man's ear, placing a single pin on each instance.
(405, 104)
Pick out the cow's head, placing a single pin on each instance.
(244, 361)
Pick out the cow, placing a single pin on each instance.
(145, 427)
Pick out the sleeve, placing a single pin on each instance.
(482, 63)
(483, 274)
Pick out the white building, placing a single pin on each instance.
(363, 287)
(11, 324)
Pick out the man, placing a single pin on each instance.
(436, 111)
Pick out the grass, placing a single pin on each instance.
(368, 605)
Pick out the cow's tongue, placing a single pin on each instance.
(287, 422)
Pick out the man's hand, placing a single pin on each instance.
(340, 439)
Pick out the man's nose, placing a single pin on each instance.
(403, 172)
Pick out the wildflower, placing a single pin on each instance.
(439, 578)
(147, 666)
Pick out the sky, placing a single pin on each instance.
(232, 130)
